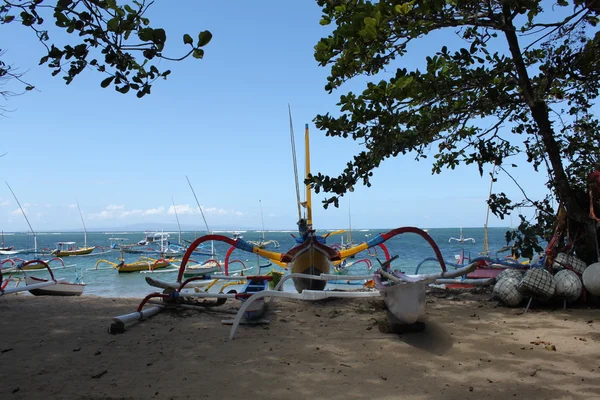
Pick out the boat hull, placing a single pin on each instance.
(78, 252)
(404, 300)
(59, 289)
(310, 257)
(142, 266)
(199, 270)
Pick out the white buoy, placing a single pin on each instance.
(568, 285)
(562, 261)
(539, 283)
(507, 292)
(510, 273)
(591, 279)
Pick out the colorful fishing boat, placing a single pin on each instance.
(143, 264)
(207, 267)
(67, 249)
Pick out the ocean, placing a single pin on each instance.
(411, 249)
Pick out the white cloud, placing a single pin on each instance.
(222, 211)
(183, 209)
(113, 211)
(72, 205)
(154, 211)
(4, 203)
(18, 211)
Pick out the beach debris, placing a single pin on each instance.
(535, 371)
(77, 349)
(538, 342)
(99, 375)
(550, 347)
(6, 350)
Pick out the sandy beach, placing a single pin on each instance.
(60, 348)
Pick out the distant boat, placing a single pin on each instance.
(237, 235)
(461, 239)
(154, 237)
(66, 249)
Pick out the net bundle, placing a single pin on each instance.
(566, 261)
(510, 273)
(538, 282)
(506, 290)
(568, 285)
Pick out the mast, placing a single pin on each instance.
(262, 218)
(295, 163)
(84, 229)
(308, 191)
(177, 217)
(349, 235)
(25, 215)
(212, 243)
(486, 248)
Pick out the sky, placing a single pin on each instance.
(221, 121)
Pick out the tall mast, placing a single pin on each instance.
(486, 248)
(262, 218)
(295, 163)
(177, 217)
(84, 229)
(212, 243)
(308, 191)
(25, 215)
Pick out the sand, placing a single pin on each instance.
(60, 348)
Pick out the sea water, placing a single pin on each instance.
(411, 249)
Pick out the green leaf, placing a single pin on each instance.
(187, 39)
(198, 53)
(325, 21)
(29, 88)
(204, 38)
(146, 34)
(107, 81)
(9, 18)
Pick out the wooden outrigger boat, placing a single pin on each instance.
(41, 286)
(61, 288)
(63, 250)
(310, 262)
(143, 264)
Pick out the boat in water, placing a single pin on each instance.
(66, 249)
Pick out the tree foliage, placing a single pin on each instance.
(114, 38)
(523, 81)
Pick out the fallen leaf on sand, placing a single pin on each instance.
(550, 347)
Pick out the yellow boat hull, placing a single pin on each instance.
(77, 252)
(142, 266)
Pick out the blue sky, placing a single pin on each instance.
(223, 122)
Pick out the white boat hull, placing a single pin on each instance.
(406, 301)
(59, 289)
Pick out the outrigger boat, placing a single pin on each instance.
(143, 264)
(41, 286)
(66, 249)
(310, 262)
